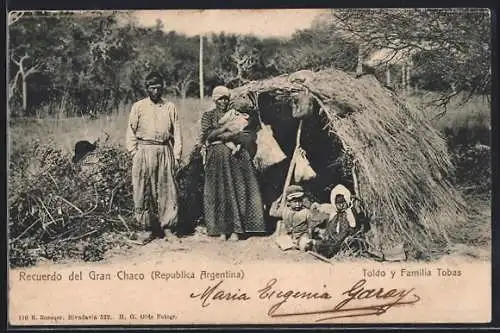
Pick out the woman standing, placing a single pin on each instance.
(232, 201)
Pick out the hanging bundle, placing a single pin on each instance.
(302, 104)
(303, 170)
(269, 151)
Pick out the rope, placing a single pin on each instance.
(355, 180)
(254, 99)
(359, 206)
(260, 119)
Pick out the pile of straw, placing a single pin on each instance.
(404, 170)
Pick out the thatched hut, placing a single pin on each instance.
(401, 162)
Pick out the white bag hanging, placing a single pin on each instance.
(303, 170)
(269, 151)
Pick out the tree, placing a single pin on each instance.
(66, 60)
(244, 58)
(184, 52)
(23, 72)
(232, 58)
(454, 41)
(32, 36)
(316, 48)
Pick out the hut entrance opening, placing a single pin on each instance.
(324, 150)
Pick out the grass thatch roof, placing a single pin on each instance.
(403, 165)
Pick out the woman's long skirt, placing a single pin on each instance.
(232, 200)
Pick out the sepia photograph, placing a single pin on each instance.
(257, 166)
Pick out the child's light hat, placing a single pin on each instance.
(342, 190)
(294, 192)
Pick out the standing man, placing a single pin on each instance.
(155, 144)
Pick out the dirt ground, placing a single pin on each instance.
(202, 248)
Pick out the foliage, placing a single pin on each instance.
(316, 48)
(450, 48)
(473, 169)
(78, 63)
(233, 60)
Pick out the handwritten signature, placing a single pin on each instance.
(359, 300)
(358, 292)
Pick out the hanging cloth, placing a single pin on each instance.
(269, 151)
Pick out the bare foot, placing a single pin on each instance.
(149, 239)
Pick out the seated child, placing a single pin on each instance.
(296, 225)
(340, 224)
(234, 122)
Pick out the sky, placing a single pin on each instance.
(259, 22)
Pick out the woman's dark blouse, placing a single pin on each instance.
(210, 121)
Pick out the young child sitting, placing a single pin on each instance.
(295, 228)
(233, 122)
(340, 224)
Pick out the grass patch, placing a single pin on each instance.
(63, 133)
(462, 123)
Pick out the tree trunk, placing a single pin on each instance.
(25, 95)
(387, 75)
(202, 88)
(239, 75)
(13, 85)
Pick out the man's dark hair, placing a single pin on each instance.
(153, 78)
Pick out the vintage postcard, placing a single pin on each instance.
(291, 166)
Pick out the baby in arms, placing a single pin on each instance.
(233, 122)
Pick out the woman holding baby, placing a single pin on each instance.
(232, 201)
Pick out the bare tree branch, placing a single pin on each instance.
(182, 85)
(34, 69)
(22, 68)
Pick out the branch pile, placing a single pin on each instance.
(58, 211)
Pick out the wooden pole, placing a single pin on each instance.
(202, 88)
(319, 256)
(403, 76)
(408, 78)
(292, 164)
(359, 67)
